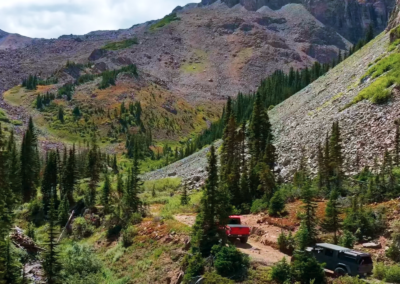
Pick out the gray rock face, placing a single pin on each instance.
(349, 18)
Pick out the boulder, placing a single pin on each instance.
(372, 245)
(172, 174)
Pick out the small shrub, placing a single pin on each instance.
(81, 228)
(114, 231)
(79, 262)
(259, 205)
(276, 204)
(229, 262)
(392, 274)
(305, 268)
(379, 270)
(348, 280)
(347, 240)
(280, 272)
(127, 236)
(136, 218)
(393, 252)
(36, 212)
(121, 44)
(194, 266)
(165, 21)
(214, 278)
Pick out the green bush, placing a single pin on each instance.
(81, 228)
(392, 274)
(3, 116)
(36, 212)
(229, 262)
(305, 268)
(379, 270)
(80, 265)
(280, 272)
(347, 240)
(136, 218)
(393, 252)
(286, 243)
(194, 266)
(348, 280)
(214, 278)
(276, 204)
(259, 205)
(127, 236)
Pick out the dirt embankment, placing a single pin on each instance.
(261, 246)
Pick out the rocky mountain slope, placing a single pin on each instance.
(348, 18)
(210, 52)
(13, 41)
(367, 129)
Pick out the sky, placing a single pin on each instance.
(53, 18)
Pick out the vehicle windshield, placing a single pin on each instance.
(365, 260)
(234, 221)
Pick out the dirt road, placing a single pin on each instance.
(258, 252)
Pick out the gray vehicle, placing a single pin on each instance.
(342, 260)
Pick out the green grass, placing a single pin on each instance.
(165, 21)
(387, 72)
(3, 116)
(120, 44)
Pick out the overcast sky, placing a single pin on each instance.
(53, 18)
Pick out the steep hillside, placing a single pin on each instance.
(203, 53)
(367, 128)
(13, 41)
(348, 18)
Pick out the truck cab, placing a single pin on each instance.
(342, 260)
(235, 229)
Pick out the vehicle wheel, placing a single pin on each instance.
(243, 240)
(232, 240)
(340, 271)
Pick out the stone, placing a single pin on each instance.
(372, 245)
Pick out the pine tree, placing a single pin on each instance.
(214, 212)
(332, 221)
(105, 193)
(310, 207)
(63, 211)
(370, 34)
(321, 168)
(336, 157)
(397, 144)
(115, 164)
(70, 175)
(133, 186)
(30, 165)
(185, 199)
(51, 264)
(12, 266)
(120, 185)
(93, 171)
(50, 180)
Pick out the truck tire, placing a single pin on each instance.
(340, 271)
(232, 240)
(243, 240)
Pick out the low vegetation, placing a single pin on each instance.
(164, 21)
(117, 45)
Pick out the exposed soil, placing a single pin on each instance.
(255, 247)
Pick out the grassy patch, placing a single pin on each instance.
(165, 21)
(120, 44)
(379, 92)
(3, 116)
(198, 65)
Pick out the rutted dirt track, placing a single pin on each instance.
(254, 248)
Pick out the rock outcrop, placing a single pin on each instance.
(349, 18)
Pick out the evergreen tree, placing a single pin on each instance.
(106, 191)
(310, 207)
(120, 185)
(370, 33)
(332, 221)
(276, 204)
(185, 199)
(321, 168)
(70, 174)
(50, 180)
(115, 164)
(214, 212)
(336, 157)
(12, 265)
(93, 171)
(63, 211)
(133, 186)
(51, 264)
(397, 145)
(30, 165)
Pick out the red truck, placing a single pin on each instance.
(235, 229)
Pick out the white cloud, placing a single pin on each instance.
(53, 18)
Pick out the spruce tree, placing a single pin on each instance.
(51, 264)
(50, 180)
(133, 186)
(105, 193)
(120, 185)
(63, 211)
(332, 220)
(93, 171)
(185, 199)
(336, 157)
(397, 144)
(214, 212)
(310, 207)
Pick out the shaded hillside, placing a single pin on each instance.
(348, 18)
(367, 128)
